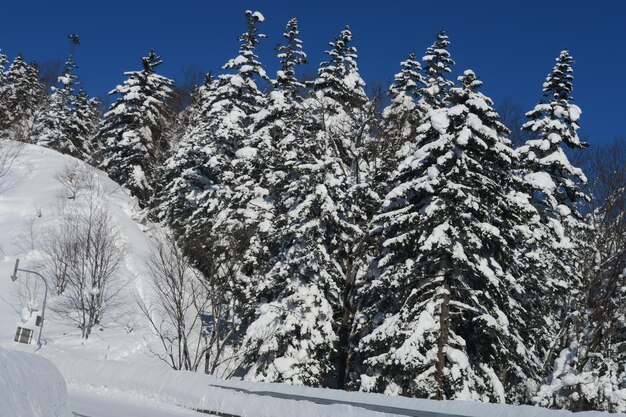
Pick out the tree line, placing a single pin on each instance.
(423, 249)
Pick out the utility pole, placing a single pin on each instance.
(45, 297)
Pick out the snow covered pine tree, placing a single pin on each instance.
(4, 93)
(304, 332)
(448, 327)
(132, 131)
(402, 117)
(584, 375)
(60, 125)
(24, 95)
(214, 198)
(556, 188)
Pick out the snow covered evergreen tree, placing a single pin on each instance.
(82, 124)
(437, 63)
(132, 131)
(273, 129)
(52, 125)
(556, 186)
(403, 115)
(290, 55)
(4, 93)
(304, 333)
(212, 197)
(289, 340)
(24, 96)
(445, 324)
(345, 116)
(3, 62)
(590, 374)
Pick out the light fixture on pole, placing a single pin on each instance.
(45, 296)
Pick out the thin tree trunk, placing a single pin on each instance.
(443, 337)
(345, 327)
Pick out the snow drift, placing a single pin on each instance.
(31, 386)
(247, 399)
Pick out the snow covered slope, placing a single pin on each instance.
(29, 201)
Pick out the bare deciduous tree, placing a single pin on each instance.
(84, 252)
(513, 117)
(192, 314)
(58, 244)
(74, 177)
(174, 306)
(183, 91)
(49, 72)
(92, 282)
(605, 257)
(224, 354)
(9, 151)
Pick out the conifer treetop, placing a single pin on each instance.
(558, 85)
(17, 69)
(552, 122)
(409, 80)
(3, 62)
(150, 62)
(437, 64)
(437, 57)
(342, 55)
(290, 54)
(339, 78)
(555, 118)
(246, 63)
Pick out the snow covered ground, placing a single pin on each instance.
(96, 404)
(112, 374)
(248, 399)
(30, 386)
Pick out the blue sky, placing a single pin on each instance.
(510, 44)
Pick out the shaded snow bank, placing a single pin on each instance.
(203, 392)
(189, 389)
(31, 386)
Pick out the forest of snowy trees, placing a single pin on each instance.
(408, 243)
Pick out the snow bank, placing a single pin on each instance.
(191, 390)
(240, 398)
(31, 386)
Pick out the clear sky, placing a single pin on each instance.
(511, 45)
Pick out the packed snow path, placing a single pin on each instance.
(91, 404)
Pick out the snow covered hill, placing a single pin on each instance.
(30, 197)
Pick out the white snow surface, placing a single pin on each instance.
(95, 403)
(199, 391)
(31, 386)
(439, 120)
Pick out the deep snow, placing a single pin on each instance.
(31, 386)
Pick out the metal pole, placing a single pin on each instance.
(45, 296)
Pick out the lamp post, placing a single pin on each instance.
(45, 296)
